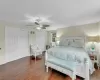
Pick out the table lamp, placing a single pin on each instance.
(93, 39)
(57, 40)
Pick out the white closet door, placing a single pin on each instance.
(16, 43)
(41, 39)
(32, 37)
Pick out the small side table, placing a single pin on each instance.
(94, 57)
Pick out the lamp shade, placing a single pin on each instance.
(93, 38)
(57, 38)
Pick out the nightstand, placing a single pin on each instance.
(94, 57)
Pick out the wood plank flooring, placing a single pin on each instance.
(28, 69)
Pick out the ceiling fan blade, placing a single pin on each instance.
(43, 27)
(30, 25)
(36, 23)
(46, 25)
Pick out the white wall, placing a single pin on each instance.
(82, 30)
(49, 38)
(39, 38)
(16, 43)
(87, 30)
(2, 44)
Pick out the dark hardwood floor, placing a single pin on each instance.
(28, 69)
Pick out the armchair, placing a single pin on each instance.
(35, 51)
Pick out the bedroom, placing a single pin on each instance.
(20, 30)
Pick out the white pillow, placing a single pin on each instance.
(64, 43)
(77, 43)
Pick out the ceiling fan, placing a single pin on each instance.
(38, 22)
(41, 25)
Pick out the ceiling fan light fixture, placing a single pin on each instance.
(38, 28)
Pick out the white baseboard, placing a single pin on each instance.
(7, 61)
(2, 63)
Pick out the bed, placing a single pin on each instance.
(70, 58)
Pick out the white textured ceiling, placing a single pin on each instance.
(63, 12)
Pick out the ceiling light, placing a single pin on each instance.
(38, 28)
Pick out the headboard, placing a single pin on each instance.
(72, 41)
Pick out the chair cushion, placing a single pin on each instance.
(63, 63)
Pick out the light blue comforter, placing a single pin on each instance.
(70, 54)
